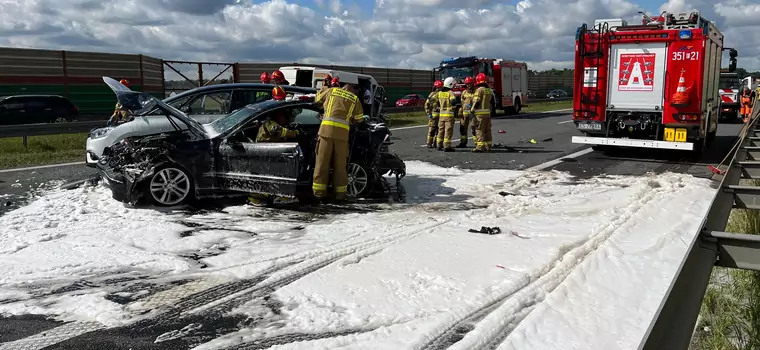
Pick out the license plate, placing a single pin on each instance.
(675, 135)
(589, 126)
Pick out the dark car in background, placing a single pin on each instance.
(34, 109)
(411, 100)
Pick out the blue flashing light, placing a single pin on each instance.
(685, 34)
(452, 59)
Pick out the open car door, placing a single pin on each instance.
(261, 167)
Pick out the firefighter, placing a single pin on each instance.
(120, 114)
(464, 112)
(265, 78)
(746, 104)
(342, 108)
(481, 107)
(273, 130)
(446, 100)
(278, 78)
(263, 95)
(431, 109)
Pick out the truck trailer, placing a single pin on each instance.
(650, 85)
(509, 79)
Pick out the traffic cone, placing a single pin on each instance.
(680, 98)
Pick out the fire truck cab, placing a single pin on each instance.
(650, 85)
(508, 79)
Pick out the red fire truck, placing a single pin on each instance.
(652, 85)
(508, 78)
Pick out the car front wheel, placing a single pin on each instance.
(358, 180)
(170, 186)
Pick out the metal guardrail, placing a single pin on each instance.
(674, 323)
(85, 126)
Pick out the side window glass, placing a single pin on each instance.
(306, 116)
(213, 103)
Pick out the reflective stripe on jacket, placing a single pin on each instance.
(446, 101)
(481, 102)
(271, 131)
(342, 108)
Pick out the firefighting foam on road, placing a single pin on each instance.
(402, 275)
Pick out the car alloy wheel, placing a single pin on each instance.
(170, 186)
(357, 180)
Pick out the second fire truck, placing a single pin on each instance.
(651, 85)
(509, 79)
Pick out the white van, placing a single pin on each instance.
(313, 77)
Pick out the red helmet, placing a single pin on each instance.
(124, 82)
(335, 82)
(438, 84)
(469, 81)
(328, 77)
(265, 78)
(278, 93)
(278, 77)
(481, 79)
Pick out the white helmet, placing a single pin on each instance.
(449, 82)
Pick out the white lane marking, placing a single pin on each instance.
(52, 336)
(566, 121)
(40, 167)
(537, 113)
(552, 163)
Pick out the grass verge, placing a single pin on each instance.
(730, 314)
(53, 149)
(49, 149)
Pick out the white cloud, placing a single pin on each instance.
(395, 33)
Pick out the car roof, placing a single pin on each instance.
(272, 104)
(258, 86)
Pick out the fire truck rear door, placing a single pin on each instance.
(637, 76)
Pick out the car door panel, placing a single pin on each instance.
(265, 167)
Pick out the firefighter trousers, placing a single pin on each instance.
(746, 111)
(432, 131)
(464, 123)
(483, 140)
(445, 132)
(333, 154)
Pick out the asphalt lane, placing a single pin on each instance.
(512, 148)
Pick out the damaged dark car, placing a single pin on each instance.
(222, 159)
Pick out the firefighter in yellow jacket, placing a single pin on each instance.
(446, 102)
(465, 117)
(342, 108)
(431, 109)
(746, 104)
(481, 107)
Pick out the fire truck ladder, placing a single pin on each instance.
(592, 48)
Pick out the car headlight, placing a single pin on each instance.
(100, 133)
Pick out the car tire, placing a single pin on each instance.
(170, 185)
(359, 181)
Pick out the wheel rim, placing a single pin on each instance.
(357, 180)
(169, 186)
